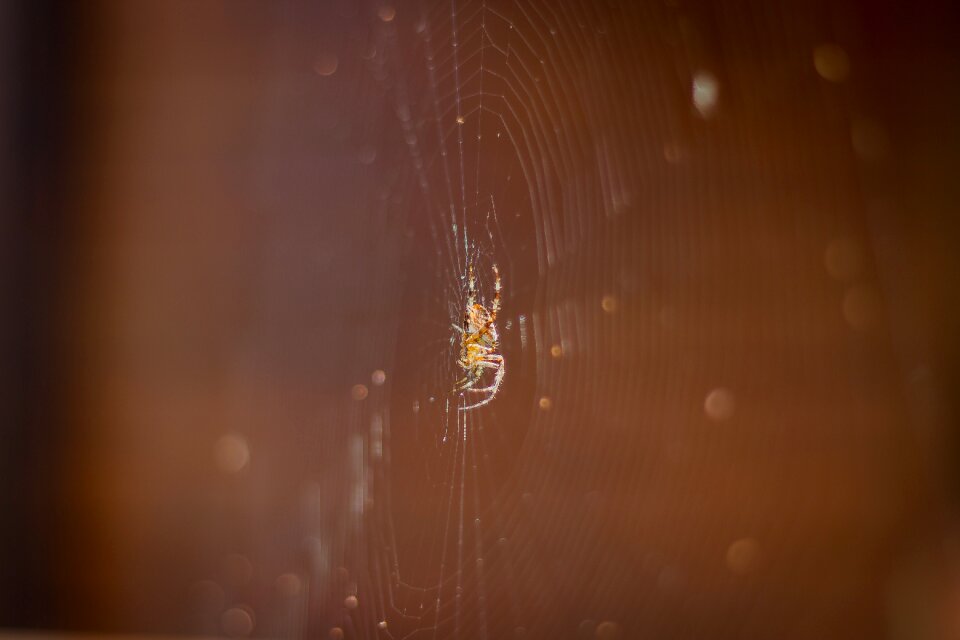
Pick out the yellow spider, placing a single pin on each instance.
(479, 341)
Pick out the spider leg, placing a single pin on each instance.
(484, 389)
(495, 305)
(486, 400)
(471, 296)
(471, 299)
(494, 361)
(470, 378)
(493, 388)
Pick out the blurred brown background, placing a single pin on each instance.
(214, 229)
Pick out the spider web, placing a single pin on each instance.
(594, 495)
(432, 557)
(509, 163)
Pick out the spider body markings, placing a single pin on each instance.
(479, 341)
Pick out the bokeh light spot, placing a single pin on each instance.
(378, 377)
(288, 585)
(359, 391)
(326, 64)
(672, 153)
(607, 630)
(743, 556)
(231, 453)
(207, 596)
(237, 569)
(844, 259)
(237, 622)
(831, 62)
(587, 628)
(719, 404)
(670, 579)
(706, 92)
(609, 304)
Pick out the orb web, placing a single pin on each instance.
(626, 213)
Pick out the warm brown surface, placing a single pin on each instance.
(744, 430)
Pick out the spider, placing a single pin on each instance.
(478, 343)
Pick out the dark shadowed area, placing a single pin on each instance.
(718, 398)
